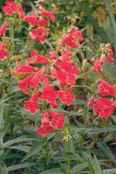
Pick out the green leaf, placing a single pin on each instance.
(109, 171)
(52, 171)
(104, 148)
(17, 140)
(3, 169)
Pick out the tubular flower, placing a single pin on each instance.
(24, 84)
(10, 8)
(39, 34)
(65, 72)
(3, 28)
(24, 69)
(103, 107)
(66, 97)
(35, 58)
(35, 21)
(31, 105)
(3, 51)
(50, 95)
(98, 64)
(50, 121)
(46, 13)
(73, 38)
(105, 89)
(109, 54)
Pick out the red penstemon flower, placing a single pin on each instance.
(66, 97)
(50, 94)
(3, 51)
(105, 89)
(73, 38)
(103, 107)
(35, 58)
(31, 105)
(39, 34)
(4, 28)
(50, 121)
(11, 7)
(23, 69)
(46, 13)
(50, 78)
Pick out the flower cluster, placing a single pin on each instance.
(102, 105)
(52, 83)
(47, 79)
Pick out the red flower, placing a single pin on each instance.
(3, 28)
(50, 95)
(66, 97)
(73, 38)
(31, 105)
(53, 55)
(47, 14)
(109, 54)
(31, 19)
(24, 84)
(24, 69)
(35, 58)
(98, 64)
(50, 121)
(39, 34)
(103, 107)
(44, 130)
(36, 79)
(10, 8)
(3, 51)
(105, 89)
(90, 102)
(66, 72)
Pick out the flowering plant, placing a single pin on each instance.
(58, 84)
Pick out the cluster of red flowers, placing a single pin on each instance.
(51, 82)
(10, 8)
(103, 105)
(49, 79)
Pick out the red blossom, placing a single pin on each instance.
(4, 28)
(31, 105)
(65, 72)
(103, 107)
(66, 97)
(35, 58)
(98, 63)
(105, 89)
(23, 69)
(39, 34)
(50, 95)
(46, 13)
(73, 38)
(3, 51)
(109, 54)
(24, 84)
(10, 8)
(50, 121)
